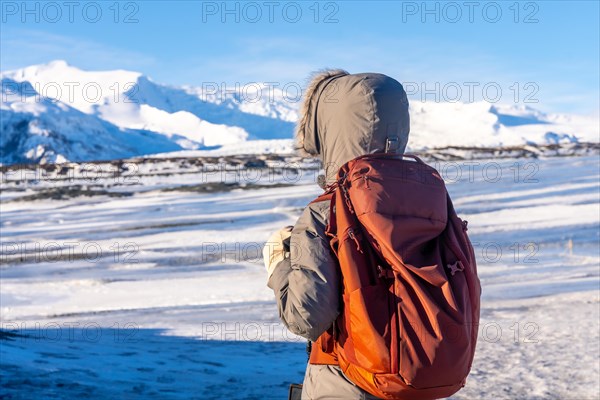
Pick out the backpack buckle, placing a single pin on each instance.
(385, 273)
(392, 144)
(456, 267)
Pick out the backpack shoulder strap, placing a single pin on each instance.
(327, 196)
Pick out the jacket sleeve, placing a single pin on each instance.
(307, 284)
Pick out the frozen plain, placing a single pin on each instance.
(162, 294)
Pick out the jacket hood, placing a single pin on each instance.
(345, 115)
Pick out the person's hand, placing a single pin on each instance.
(276, 248)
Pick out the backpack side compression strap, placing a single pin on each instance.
(323, 197)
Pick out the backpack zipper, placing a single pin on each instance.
(396, 338)
(424, 177)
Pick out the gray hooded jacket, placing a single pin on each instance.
(343, 116)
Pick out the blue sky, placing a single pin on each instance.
(550, 49)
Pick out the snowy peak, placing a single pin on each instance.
(60, 70)
(36, 129)
(78, 88)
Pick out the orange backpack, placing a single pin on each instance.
(410, 316)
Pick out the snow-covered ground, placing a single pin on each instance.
(161, 294)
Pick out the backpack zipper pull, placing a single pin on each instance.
(355, 239)
(347, 199)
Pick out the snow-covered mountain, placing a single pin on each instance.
(56, 112)
(52, 112)
(45, 131)
(480, 124)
